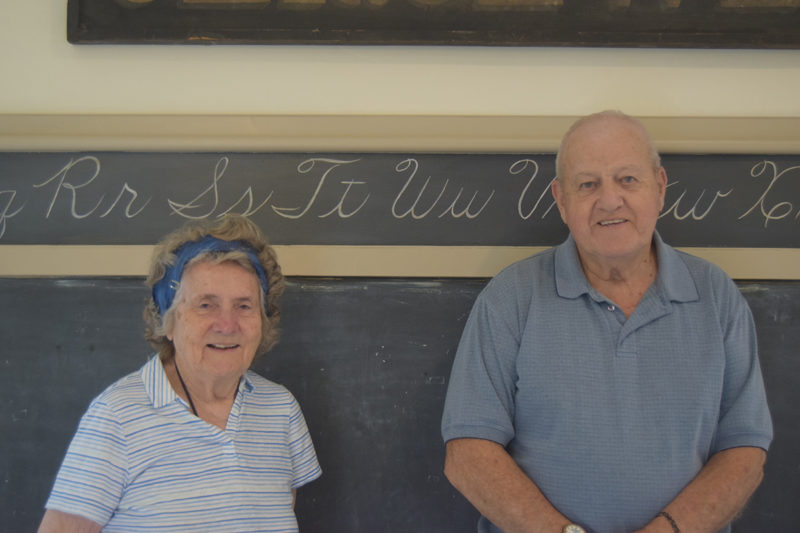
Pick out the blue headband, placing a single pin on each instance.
(164, 290)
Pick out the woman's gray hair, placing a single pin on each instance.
(229, 228)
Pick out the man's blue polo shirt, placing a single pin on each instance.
(610, 417)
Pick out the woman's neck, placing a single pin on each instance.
(210, 400)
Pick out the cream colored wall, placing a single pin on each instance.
(42, 73)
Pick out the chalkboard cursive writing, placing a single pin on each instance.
(368, 199)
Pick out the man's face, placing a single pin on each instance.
(609, 194)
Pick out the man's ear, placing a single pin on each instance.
(661, 180)
(558, 196)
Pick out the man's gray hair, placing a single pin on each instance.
(655, 158)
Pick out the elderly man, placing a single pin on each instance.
(612, 383)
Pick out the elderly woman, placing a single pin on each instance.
(194, 441)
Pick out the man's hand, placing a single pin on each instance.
(716, 495)
(488, 477)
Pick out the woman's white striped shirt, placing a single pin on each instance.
(141, 461)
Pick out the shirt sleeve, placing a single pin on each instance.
(744, 412)
(480, 394)
(92, 476)
(305, 465)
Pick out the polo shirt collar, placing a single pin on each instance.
(158, 388)
(571, 282)
(675, 282)
(674, 277)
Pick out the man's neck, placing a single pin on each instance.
(623, 282)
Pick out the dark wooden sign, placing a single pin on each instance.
(633, 23)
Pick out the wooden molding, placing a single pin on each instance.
(363, 261)
(369, 133)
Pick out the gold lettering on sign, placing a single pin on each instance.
(425, 4)
(759, 3)
(301, 4)
(226, 2)
(516, 5)
(356, 3)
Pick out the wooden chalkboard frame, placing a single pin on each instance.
(370, 134)
(638, 23)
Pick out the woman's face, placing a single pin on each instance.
(217, 326)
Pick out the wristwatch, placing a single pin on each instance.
(573, 528)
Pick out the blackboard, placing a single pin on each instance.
(720, 200)
(368, 360)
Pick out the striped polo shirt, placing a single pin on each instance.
(141, 461)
